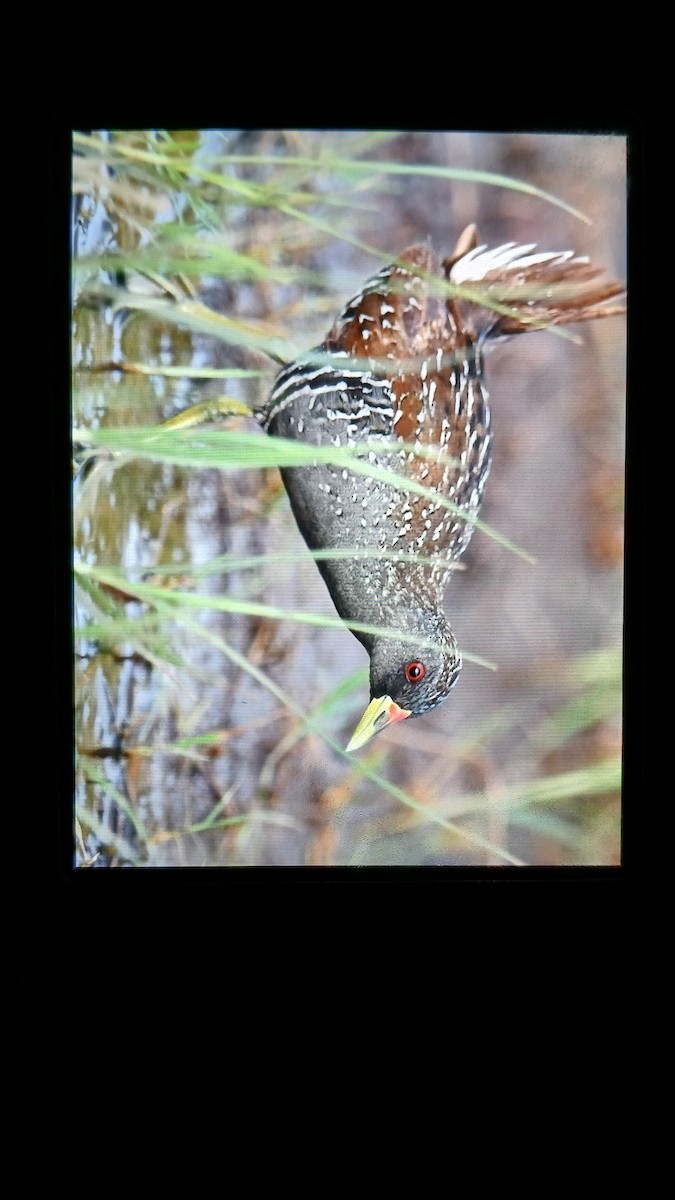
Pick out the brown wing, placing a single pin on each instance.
(412, 334)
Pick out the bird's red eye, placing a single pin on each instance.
(414, 672)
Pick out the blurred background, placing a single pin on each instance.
(207, 737)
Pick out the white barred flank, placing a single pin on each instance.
(306, 378)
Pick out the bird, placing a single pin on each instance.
(399, 379)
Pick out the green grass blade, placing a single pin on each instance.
(357, 765)
(225, 449)
(189, 314)
(136, 368)
(350, 168)
(190, 600)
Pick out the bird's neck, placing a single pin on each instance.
(384, 592)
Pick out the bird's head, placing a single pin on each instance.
(408, 679)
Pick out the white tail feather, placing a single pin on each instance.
(478, 263)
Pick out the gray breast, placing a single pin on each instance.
(341, 405)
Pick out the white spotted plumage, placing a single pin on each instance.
(402, 364)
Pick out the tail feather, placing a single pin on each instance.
(512, 288)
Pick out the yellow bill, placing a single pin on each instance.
(379, 714)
